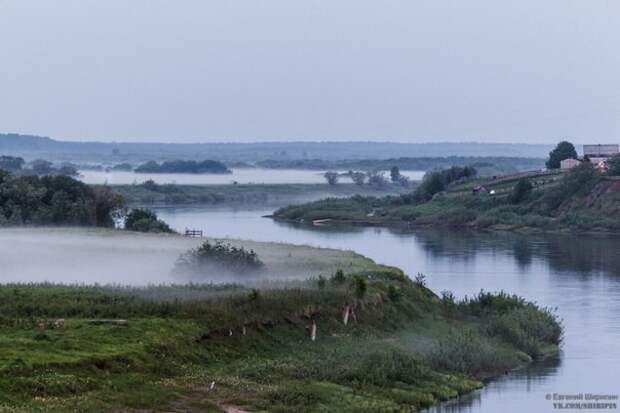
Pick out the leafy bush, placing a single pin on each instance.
(527, 328)
(521, 191)
(468, 352)
(219, 257)
(144, 220)
(437, 181)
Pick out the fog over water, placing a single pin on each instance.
(241, 176)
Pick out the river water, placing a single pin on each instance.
(578, 275)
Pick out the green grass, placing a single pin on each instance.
(393, 356)
(581, 200)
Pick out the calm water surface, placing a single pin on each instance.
(242, 176)
(580, 276)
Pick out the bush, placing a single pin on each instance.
(437, 181)
(521, 191)
(467, 352)
(527, 328)
(144, 220)
(338, 277)
(218, 257)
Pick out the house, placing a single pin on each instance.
(600, 153)
(569, 163)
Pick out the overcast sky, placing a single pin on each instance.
(412, 71)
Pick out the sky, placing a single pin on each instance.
(277, 70)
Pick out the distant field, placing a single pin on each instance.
(76, 255)
(274, 194)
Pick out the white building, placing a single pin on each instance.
(569, 163)
(598, 153)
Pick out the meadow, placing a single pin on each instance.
(349, 336)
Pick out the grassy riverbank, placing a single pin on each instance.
(581, 200)
(214, 347)
(245, 194)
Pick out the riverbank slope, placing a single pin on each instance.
(579, 200)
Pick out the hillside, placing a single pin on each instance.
(581, 199)
(364, 339)
(32, 147)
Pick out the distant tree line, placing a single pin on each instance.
(374, 178)
(490, 165)
(18, 166)
(180, 166)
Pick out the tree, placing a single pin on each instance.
(395, 174)
(563, 150)
(42, 167)
(11, 163)
(377, 179)
(358, 178)
(331, 177)
(521, 191)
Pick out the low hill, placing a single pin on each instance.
(582, 199)
(31, 147)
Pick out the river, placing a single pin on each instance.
(580, 276)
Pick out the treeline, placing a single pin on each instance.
(180, 166)
(18, 166)
(486, 165)
(55, 200)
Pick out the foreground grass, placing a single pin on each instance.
(209, 347)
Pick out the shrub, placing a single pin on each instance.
(360, 286)
(521, 191)
(527, 328)
(338, 278)
(437, 181)
(144, 220)
(468, 352)
(219, 257)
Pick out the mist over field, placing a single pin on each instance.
(92, 256)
